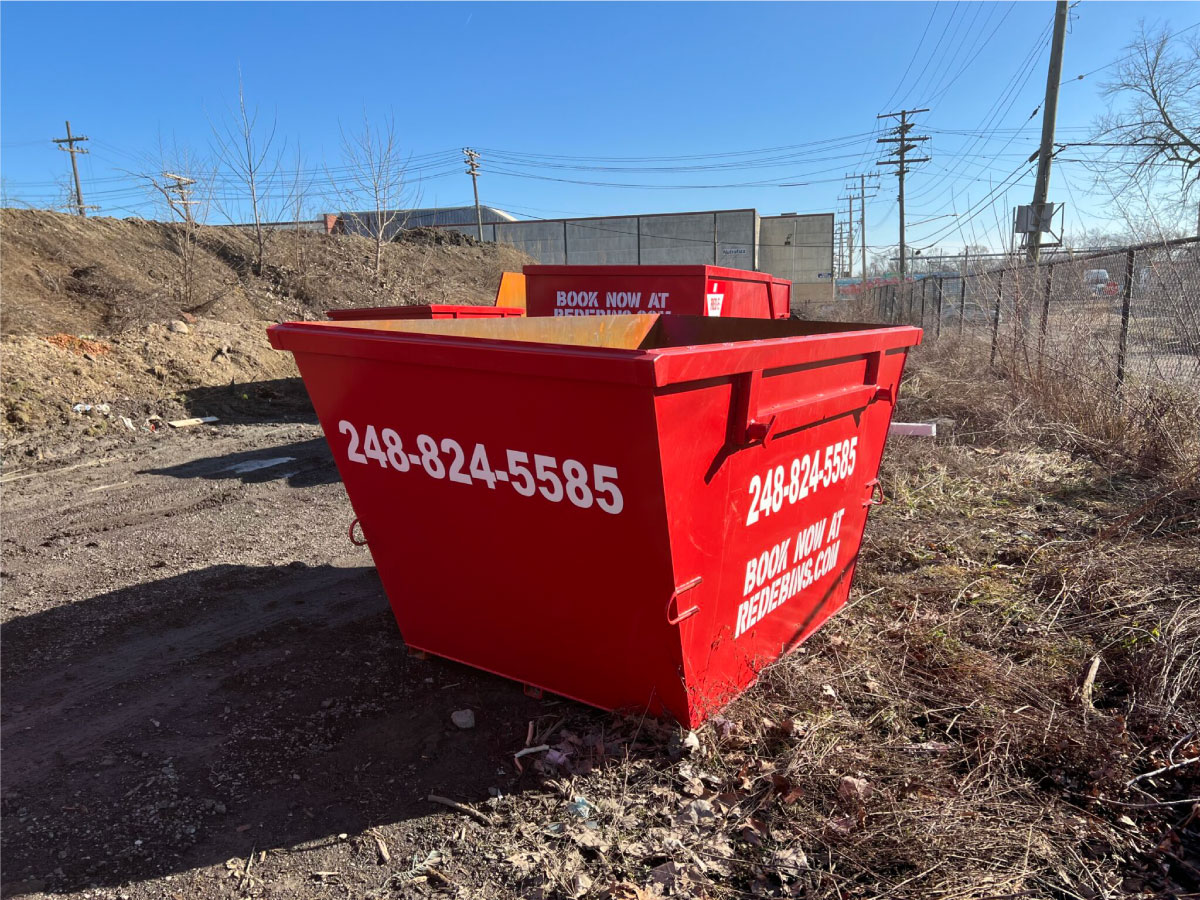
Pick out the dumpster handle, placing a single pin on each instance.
(755, 424)
(875, 488)
(674, 616)
(355, 541)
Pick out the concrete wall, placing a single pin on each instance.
(602, 242)
(723, 238)
(544, 241)
(799, 248)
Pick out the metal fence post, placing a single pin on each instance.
(962, 303)
(1126, 297)
(938, 329)
(924, 286)
(1045, 316)
(996, 316)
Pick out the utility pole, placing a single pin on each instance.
(71, 141)
(862, 196)
(841, 251)
(1049, 113)
(179, 195)
(473, 170)
(850, 238)
(905, 142)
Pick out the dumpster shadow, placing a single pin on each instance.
(300, 464)
(183, 722)
(281, 400)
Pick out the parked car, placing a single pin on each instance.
(1098, 283)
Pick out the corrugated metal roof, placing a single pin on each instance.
(363, 223)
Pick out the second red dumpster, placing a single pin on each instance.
(681, 290)
(425, 311)
(639, 512)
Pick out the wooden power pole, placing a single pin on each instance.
(178, 191)
(473, 171)
(71, 141)
(850, 238)
(905, 142)
(1049, 113)
(861, 197)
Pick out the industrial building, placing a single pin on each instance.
(796, 247)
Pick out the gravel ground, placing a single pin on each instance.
(199, 666)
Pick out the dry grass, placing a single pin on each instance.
(1147, 427)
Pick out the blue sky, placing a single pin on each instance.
(547, 91)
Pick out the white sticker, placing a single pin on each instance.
(715, 302)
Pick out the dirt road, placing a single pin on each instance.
(197, 663)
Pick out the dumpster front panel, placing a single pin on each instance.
(509, 534)
(771, 528)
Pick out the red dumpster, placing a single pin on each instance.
(428, 311)
(638, 512)
(682, 290)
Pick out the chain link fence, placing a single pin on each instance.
(1109, 342)
(1133, 312)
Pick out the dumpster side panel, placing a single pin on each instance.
(508, 534)
(772, 529)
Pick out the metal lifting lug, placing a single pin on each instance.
(873, 488)
(674, 615)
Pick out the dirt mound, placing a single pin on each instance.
(438, 237)
(113, 315)
(101, 276)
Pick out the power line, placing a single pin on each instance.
(916, 50)
(1122, 59)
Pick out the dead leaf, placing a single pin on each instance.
(625, 890)
(854, 792)
(697, 812)
(789, 862)
(786, 789)
(842, 826)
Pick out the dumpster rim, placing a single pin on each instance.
(723, 272)
(654, 367)
(389, 312)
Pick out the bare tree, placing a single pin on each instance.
(245, 150)
(181, 182)
(1153, 122)
(375, 182)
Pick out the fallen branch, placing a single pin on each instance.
(1178, 765)
(1155, 805)
(462, 808)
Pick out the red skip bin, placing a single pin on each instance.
(639, 512)
(666, 290)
